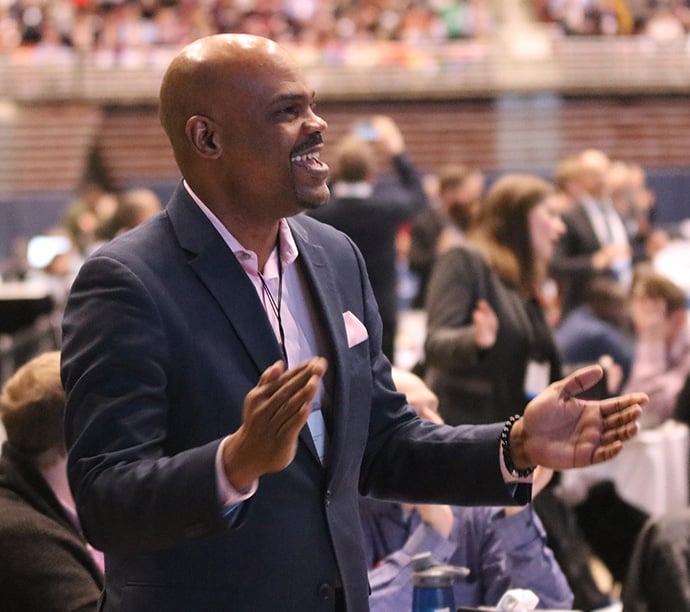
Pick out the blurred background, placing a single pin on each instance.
(499, 85)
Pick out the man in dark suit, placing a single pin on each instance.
(596, 241)
(212, 474)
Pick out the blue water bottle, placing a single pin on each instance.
(433, 584)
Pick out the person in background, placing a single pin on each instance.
(566, 180)
(660, 368)
(134, 206)
(83, 216)
(460, 189)
(489, 345)
(662, 344)
(504, 548)
(45, 563)
(635, 203)
(227, 397)
(596, 240)
(598, 328)
(371, 213)
(486, 329)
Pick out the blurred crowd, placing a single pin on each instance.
(120, 25)
(116, 25)
(96, 215)
(658, 18)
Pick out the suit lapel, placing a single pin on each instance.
(223, 276)
(326, 297)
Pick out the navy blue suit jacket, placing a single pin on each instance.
(164, 335)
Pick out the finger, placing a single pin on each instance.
(314, 363)
(621, 420)
(293, 423)
(623, 433)
(291, 416)
(290, 398)
(581, 380)
(292, 382)
(606, 452)
(616, 405)
(272, 372)
(270, 383)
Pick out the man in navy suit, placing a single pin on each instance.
(228, 400)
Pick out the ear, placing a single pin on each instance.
(201, 134)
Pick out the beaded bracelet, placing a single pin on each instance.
(505, 448)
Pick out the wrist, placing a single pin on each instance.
(239, 474)
(513, 443)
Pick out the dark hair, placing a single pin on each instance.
(452, 175)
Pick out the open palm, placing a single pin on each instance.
(561, 430)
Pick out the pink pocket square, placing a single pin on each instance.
(356, 332)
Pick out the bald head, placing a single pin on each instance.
(203, 69)
(594, 166)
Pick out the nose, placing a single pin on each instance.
(316, 122)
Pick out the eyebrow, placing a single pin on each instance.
(295, 97)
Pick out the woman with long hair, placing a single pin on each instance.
(488, 346)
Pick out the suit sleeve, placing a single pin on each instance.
(115, 369)
(451, 298)
(409, 459)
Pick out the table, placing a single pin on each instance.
(651, 472)
(21, 303)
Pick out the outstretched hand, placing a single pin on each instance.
(561, 431)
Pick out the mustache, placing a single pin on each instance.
(314, 139)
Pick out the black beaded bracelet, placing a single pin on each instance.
(505, 448)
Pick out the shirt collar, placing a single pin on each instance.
(248, 258)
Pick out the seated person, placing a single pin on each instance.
(502, 548)
(599, 327)
(662, 352)
(660, 368)
(45, 563)
(659, 573)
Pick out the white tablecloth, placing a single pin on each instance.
(651, 472)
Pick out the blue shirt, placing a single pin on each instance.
(582, 338)
(501, 552)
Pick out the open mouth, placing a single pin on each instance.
(308, 160)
